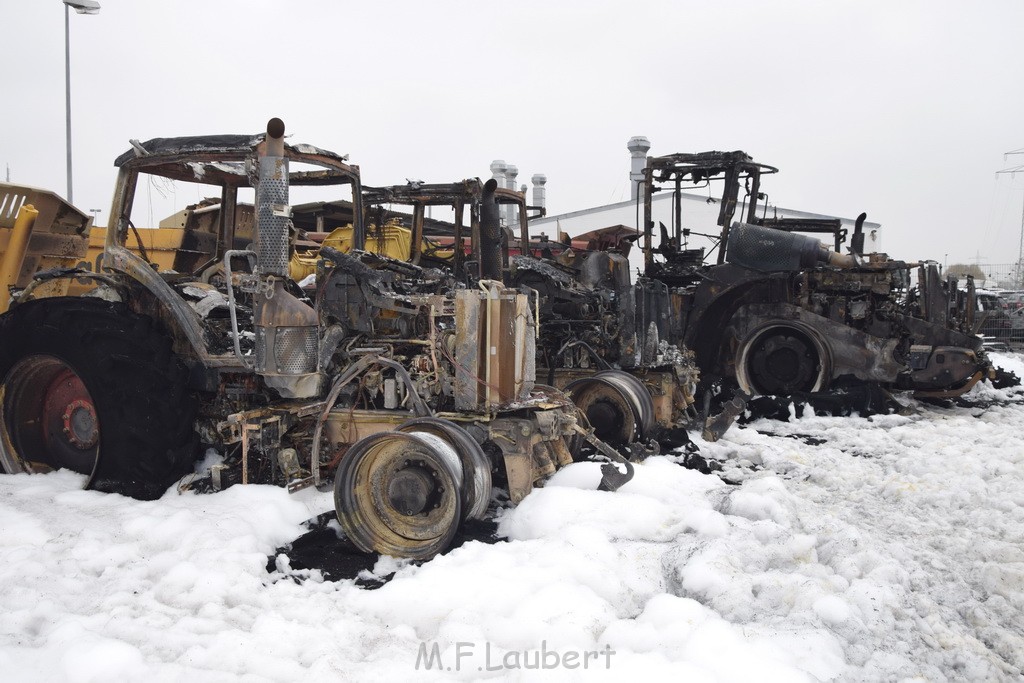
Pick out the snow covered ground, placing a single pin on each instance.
(881, 548)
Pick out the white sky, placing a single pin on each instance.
(903, 110)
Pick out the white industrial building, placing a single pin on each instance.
(699, 211)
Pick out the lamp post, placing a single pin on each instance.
(82, 7)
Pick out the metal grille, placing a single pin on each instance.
(272, 243)
(261, 348)
(296, 350)
(10, 205)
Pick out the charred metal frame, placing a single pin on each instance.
(392, 340)
(212, 160)
(669, 379)
(701, 168)
(457, 196)
(854, 313)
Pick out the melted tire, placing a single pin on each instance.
(782, 361)
(137, 387)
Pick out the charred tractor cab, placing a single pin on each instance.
(610, 344)
(777, 311)
(412, 391)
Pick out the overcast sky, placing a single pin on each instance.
(900, 109)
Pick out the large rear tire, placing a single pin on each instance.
(88, 385)
(781, 360)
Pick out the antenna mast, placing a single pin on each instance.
(1019, 279)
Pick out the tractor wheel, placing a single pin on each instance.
(476, 468)
(618, 406)
(782, 360)
(90, 386)
(400, 494)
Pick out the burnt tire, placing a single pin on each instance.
(782, 360)
(90, 386)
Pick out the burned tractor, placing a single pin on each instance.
(38, 231)
(411, 391)
(472, 244)
(781, 313)
(611, 345)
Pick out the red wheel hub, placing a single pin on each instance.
(68, 413)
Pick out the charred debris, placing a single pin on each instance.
(409, 389)
(426, 369)
(609, 344)
(773, 311)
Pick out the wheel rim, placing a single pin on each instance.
(617, 405)
(783, 360)
(399, 494)
(476, 468)
(49, 419)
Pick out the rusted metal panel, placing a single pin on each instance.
(946, 366)
(469, 384)
(494, 344)
(531, 448)
(345, 426)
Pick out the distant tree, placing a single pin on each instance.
(964, 269)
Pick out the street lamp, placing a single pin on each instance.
(82, 7)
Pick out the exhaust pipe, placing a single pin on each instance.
(769, 250)
(287, 330)
(857, 241)
(272, 210)
(491, 237)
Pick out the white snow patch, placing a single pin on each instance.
(891, 550)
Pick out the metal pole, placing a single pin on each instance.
(1020, 249)
(1020, 255)
(67, 93)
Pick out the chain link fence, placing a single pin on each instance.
(1008, 276)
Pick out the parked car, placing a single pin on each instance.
(993, 315)
(1017, 325)
(1014, 299)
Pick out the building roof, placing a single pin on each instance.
(667, 196)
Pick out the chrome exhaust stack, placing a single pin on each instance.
(287, 330)
(273, 213)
